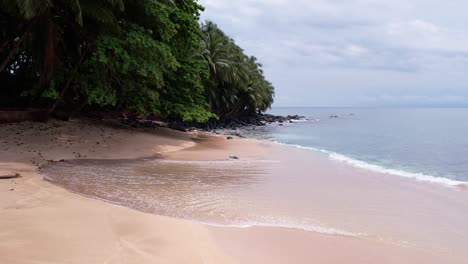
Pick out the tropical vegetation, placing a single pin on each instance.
(141, 56)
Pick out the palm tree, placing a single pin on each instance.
(45, 24)
(51, 34)
(224, 65)
(236, 85)
(37, 14)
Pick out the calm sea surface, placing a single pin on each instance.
(408, 141)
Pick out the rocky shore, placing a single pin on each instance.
(223, 123)
(226, 123)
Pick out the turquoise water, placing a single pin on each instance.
(410, 142)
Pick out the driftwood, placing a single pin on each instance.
(26, 115)
(5, 177)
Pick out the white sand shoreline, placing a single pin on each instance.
(43, 223)
(53, 225)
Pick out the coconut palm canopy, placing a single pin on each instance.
(236, 84)
(150, 57)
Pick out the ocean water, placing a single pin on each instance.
(387, 175)
(423, 143)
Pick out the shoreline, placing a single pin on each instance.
(356, 163)
(42, 222)
(220, 243)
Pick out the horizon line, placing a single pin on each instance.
(369, 106)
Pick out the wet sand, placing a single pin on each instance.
(395, 219)
(42, 223)
(280, 245)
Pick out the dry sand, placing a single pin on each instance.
(42, 223)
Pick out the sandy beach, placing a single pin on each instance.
(43, 223)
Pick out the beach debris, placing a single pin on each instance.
(234, 157)
(5, 177)
(229, 137)
(240, 135)
(12, 189)
(54, 161)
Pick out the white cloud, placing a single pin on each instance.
(356, 50)
(416, 26)
(424, 38)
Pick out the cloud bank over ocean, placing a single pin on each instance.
(356, 52)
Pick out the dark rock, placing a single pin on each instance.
(234, 157)
(229, 138)
(231, 123)
(5, 177)
(240, 135)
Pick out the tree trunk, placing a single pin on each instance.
(13, 51)
(4, 45)
(11, 38)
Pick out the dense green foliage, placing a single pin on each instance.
(143, 56)
(236, 84)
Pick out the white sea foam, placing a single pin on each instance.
(413, 175)
(316, 229)
(227, 161)
(301, 147)
(309, 228)
(302, 120)
(381, 169)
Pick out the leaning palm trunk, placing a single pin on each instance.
(12, 53)
(4, 45)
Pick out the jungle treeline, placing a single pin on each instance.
(141, 56)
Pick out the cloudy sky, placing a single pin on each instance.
(354, 52)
